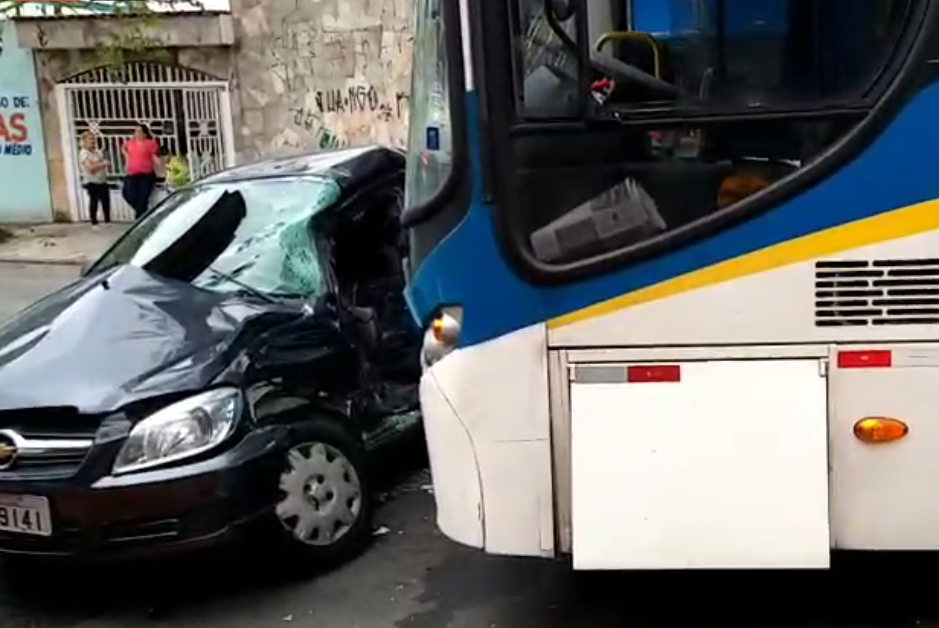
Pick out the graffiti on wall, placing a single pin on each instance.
(316, 76)
(312, 123)
(358, 99)
(14, 128)
(365, 98)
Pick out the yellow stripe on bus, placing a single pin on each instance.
(899, 223)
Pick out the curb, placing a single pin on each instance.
(42, 261)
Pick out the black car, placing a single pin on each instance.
(236, 357)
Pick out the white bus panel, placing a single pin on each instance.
(700, 465)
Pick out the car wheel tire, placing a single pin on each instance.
(324, 510)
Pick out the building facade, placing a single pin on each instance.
(270, 77)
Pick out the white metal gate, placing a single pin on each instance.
(188, 112)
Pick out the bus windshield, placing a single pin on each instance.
(706, 54)
(686, 108)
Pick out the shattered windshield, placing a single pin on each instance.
(245, 236)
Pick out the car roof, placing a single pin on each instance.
(351, 168)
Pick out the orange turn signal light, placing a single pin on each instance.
(445, 329)
(437, 325)
(878, 429)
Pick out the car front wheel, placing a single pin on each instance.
(325, 506)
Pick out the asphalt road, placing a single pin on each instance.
(21, 284)
(412, 577)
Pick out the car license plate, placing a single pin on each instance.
(25, 514)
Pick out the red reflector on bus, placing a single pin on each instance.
(864, 359)
(653, 373)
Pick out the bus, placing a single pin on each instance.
(677, 267)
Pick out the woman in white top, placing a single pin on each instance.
(94, 169)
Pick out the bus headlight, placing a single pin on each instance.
(442, 335)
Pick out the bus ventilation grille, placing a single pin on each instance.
(877, 292)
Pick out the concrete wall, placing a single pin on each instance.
(305, 74)
(317, 74)
(78, 33)
(24, 188)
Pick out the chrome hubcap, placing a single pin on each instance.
(322, 494)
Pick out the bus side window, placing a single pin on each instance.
(585, 193)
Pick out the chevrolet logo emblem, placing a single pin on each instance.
(8, 451)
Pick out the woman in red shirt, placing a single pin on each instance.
(141, 158)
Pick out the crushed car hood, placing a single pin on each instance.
(106, 341)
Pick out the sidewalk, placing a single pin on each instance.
(60, 243)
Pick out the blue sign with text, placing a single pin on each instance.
(24, 175)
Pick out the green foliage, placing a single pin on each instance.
(177, 172)
(128, 40)
(57, 8)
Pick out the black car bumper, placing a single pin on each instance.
(155, 512)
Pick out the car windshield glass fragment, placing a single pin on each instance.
(245, 236)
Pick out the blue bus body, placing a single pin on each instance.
(722, 358)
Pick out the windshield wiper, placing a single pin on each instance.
(244, 286)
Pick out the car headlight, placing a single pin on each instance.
(180, 430)
(442, 335)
